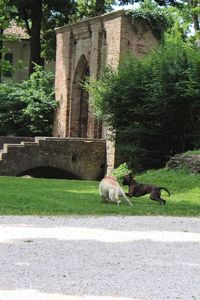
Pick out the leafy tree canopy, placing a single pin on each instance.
(192, 7)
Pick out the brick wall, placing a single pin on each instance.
(136, 37)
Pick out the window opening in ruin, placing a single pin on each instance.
(83, 108)
(79, 102)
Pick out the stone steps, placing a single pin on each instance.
(9, 147)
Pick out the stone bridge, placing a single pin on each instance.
(70, 158)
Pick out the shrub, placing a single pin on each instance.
(27, 108)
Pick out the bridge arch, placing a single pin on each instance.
(49, 172)
(79, 100)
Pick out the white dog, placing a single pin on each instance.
(110, 190)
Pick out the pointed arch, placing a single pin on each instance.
(79, 101)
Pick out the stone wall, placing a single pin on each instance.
(14, 140)
(189, 161)
(81, 158)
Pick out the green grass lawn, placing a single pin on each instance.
(20, 196)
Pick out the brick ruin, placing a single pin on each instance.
(80, 147)
(83, 49)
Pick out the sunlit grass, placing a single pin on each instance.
(20, 196)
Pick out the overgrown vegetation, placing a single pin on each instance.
(158, 19)
(153, 103)
(26, 108)
(20, 196)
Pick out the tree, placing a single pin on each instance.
(34, 14)
(5, 15)
(192, 5)
(153, 104)
(92, 8)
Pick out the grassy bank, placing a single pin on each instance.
(20, 196)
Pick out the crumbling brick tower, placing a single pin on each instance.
(82, 50)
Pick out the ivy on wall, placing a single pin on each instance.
(158, 20)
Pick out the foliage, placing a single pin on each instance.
(182, 23)
(92, 8)
(54, 14)
(20, 196)
(121, 171)
(157, 18)
(153, 103)
(26, 108)
(192, 7)
(5, 13)
(183, 12)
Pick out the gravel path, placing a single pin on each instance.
(103, 258)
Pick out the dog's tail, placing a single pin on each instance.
(163, 188)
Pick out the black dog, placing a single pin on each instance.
(140, 189)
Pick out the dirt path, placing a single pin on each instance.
(105, 258)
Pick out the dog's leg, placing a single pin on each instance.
(127, 200)
(128, 195)
(104, 199)
(131, 191)
(113, 196)
(157, 198)
(122, 194)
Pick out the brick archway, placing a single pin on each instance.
(79, 101)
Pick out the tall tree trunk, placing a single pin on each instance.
(196, 22)
(1, 49)
(100, 7)
(35, 41)
(195, 15)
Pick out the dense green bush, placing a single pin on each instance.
(153, 103)
(26, 108)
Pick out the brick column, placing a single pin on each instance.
(113, 51)
(62, 82)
